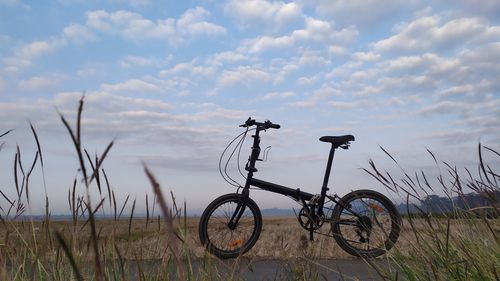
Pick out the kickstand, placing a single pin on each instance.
(311, 235)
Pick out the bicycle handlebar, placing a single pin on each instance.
(260, 125)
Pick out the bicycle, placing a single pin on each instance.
(231, 224)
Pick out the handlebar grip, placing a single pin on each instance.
(274, 126)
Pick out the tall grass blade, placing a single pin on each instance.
(100, 160)
(6, 133)
(131, 217)
(70, 256)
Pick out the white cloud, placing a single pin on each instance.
(135, 27)
(133, 61)
(426, 34)
(49, 81)
(193, 23)
(488, 8)
(132, 85)
(35, 49)
(365, 56)
(24, 56)
(139, 61)
(242, 75)
(258, 12)
(130, 25)
(343, 104)
(398, 101)
(337, 50)
(428, 63)
(193, 68)
(306, 81)
(315, 31)
(320, 94)
(220, 59)
(445, 107)
(280, 95)
(77, 34)
(362, 13)
(455, 91)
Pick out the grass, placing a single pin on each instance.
(165, 245)
(461, 244)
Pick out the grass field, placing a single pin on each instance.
(281, 237)
(25, 245)
(456, 246)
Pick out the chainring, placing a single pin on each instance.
(305, 220)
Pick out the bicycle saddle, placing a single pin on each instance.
(337, 140)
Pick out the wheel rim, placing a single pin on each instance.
(371, 229)
(230, 238)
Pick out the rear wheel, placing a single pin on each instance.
(230, 225)
(365, 223)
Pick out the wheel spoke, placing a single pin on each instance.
(226, 240)
(365, 223)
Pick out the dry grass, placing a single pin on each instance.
(281, 237)
(458, 247)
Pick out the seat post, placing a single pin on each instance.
(324, 188)
(327, 172)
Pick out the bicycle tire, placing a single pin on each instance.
(214, 224)
(375, 203)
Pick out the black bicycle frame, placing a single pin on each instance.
(296, 194)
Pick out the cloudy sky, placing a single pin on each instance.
(171, 80)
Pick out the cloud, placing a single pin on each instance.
(201, 162)
(243, 75)
(315, 31)
(132, 85)
(279, 95)
(131, 61)
(316, 96)
(488, 8)
(25, 55)
(78, 34)
(343, 104)
(258, 12)
(456, 91)
(130, 25)
(223, 58)
(464, 136)
(445, 107)
(427, 34)
(135, 27)
(193, 23)
(307, 81)
(365, 56)
(193, 68)
(337, 50)
(362, 13)
(37, 83)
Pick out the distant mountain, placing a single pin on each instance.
(471, 201)
(275, 212)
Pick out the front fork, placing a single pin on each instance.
(238, 212)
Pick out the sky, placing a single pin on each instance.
(171, 81)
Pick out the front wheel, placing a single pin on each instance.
(230, 225)
(365, 223)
